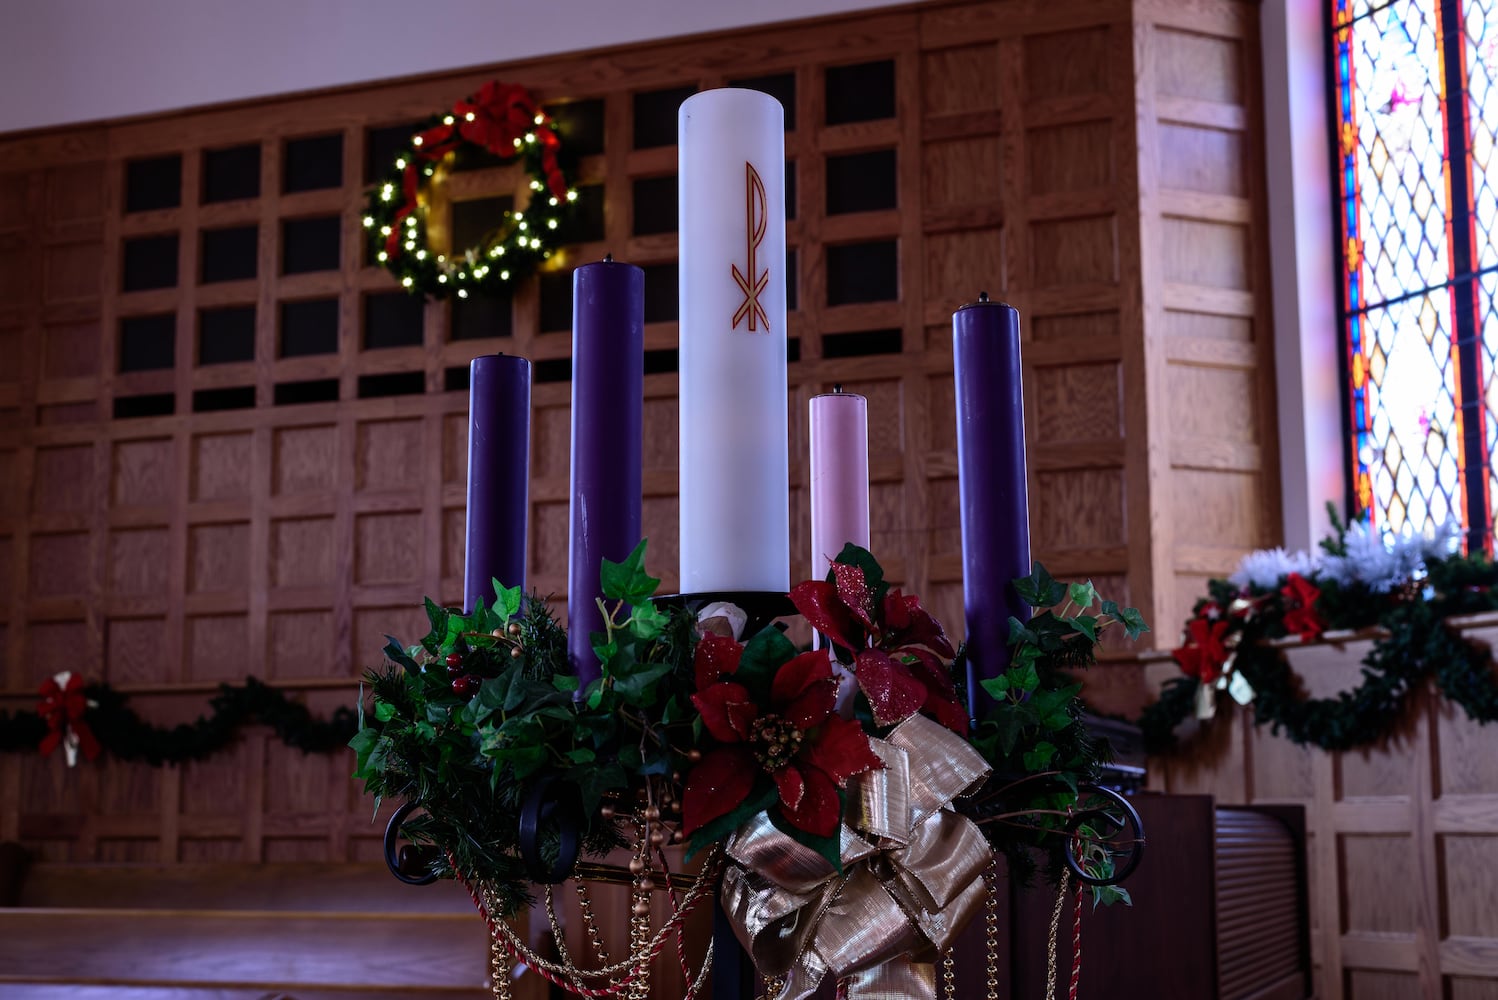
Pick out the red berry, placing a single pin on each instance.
(455, 670)
(454, 659)
(463, 686)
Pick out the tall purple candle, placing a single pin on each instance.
(499, 473)
(991, 482)
(608, 388)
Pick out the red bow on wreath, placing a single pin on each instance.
(62, 706)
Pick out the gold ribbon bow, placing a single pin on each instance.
(912, 876)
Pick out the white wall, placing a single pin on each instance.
(65, 61)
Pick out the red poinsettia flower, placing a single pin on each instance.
(895, 645)
(1301, 616)
(798, 740)
(1204, 653)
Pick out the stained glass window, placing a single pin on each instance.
(1415, 102)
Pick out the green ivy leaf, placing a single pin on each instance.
(1107, 895)
(627, 581)
(1082, 594)
(1020, 632)
(506, 600)
(1133, 622)
(647, 622)
(384, 711)
(1039, 758)
(997, 687)
(395, 653)
(1085, 624)
(763, 655)
(1039, 589)
(564, 682)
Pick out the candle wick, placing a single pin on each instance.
(982, 296)
(837, 387)
(608, 258)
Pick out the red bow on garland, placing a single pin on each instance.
(498, 118)
(1205, 652)
(62, 706)
(1301, 616)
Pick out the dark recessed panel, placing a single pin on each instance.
(231, 174)
(153, 184)
(661, 292)
(792, 281)
(230, 254)
(148, 343)
(660, 361)
(239, 397)
(392, 384)
(553, 370)
(556, 301)
(854, 345)
(473, 219)
(310, 244)
(792, 349)
(587, 215)
(862, 182)
(655, 205)
(655, 116)
(150, 262)
(313, 164)
(158, 404)
(861, 93)
(226, 335)
(321, 390)
(580, 125)
(473, 158)
(863, 272)
(455, 379)
(485, 314)
(309, 327)
(790, 189)
(392, 319)
(383, 145)
(781, 86)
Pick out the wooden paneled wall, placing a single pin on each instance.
(1094, 162)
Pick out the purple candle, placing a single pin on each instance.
(499, 472)
(991, 481)
(608, 376)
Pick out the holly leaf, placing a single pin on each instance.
(627, 581)
(438, 617)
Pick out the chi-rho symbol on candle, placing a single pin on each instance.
(755, 223)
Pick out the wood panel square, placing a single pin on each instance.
(660, 522)
(7, 571)
(1469, 869)
(454, 542)
(1219, 509)
(455, 449)
(960, 79)
(1371, 984)
(551, 441)
(1281, 769)
(1067, 63)
(1076, 157)
(64, 479)
(1468, 765)
(1077, 328)
(1078, 509)
(210, 850)
(222, 465)
(886, 414)
(297, 783)
(389, 454)
(1383, 770)
(10, 482)
(128, 850)
(1078, 402)
(129, 788)
(662, 446)
(141, 473)
(408, 623)
(1207, 326)
(1208, 403)
(887, 524)
(958, 266)
(139, 561)
(549, 541)
(70, 272)
(1209, 160)
(288, 850)
(301, 644)
(962, 172)
(302, 551)
(1074, 251)
(133, 649)
(70, 350)
(1214, 254)
(60, 565)
(387, 547)
(75, 193)
(218, 557)
(1200, 67)
(49, 786)
(1370, 904)
(52, 647)
(943, 518)
(218, 647)
(305, 459)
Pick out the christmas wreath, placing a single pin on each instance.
(1402, 589)
(710, 730)
(501, 121)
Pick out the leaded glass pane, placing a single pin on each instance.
(1411, 450)
(1481, 56)
(1487, 304)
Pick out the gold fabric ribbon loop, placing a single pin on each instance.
(912, 876)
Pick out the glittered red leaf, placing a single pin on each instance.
(804, 689)
(896, 617)
(841, 750)
(925, 665)
(819, 810)
(924, 629)
(893, 692)
(716, 655)
(791, 785)
(946, 711)
(727, 711)
(853, 591)
(818, 603)
(716, 786)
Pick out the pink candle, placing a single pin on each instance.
(839, 476)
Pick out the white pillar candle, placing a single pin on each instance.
(734, 468)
